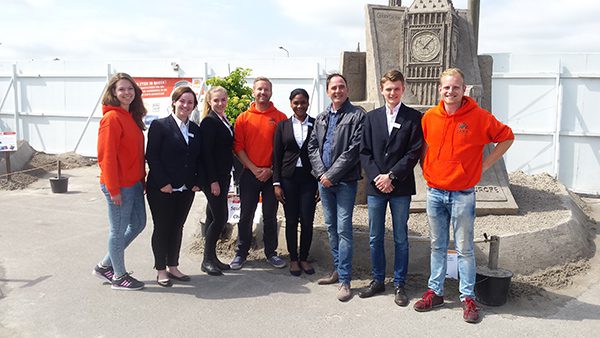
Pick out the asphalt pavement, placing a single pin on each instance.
(49, 244)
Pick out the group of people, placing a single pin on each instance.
(298, 161)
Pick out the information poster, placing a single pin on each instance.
(156, 92)
(8, 141)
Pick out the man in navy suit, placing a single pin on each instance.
(390, 148)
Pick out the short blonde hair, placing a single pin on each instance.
(452, 72)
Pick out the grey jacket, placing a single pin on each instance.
(346, 145)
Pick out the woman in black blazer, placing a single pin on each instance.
(173, 155)
(295, 187)
(217, 143)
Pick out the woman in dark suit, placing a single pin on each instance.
(217, 141)
(295, 187)
(173, 155)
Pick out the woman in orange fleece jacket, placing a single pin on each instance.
(122, 172)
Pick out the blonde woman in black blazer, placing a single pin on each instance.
(217, 142)
(295, 187)
(173, 155)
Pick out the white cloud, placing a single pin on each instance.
(44, 29)
(539, 26)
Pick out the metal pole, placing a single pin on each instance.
(89, 119)
(6, 93)
(318, 88)
(474, 13)
(285, 50)
(7, 162)
(557, 127)
(494, 252)
(16, 96)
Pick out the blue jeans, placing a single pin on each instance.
(126, 222)
(338, 205)
(456, 208)
(400, 206)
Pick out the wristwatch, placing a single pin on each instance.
(392, 176)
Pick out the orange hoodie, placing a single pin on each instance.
(120, 150)
(455, 144)
(254, 133)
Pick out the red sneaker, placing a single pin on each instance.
(428, 301)
(470, 310)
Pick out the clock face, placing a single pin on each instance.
(425, 46)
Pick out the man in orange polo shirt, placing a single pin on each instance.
(253, 144)
(455, 132)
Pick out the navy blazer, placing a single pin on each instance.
(217, 148)
(170, 158)
(286, 150)
(397, 152)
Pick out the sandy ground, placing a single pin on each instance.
(539, 198)
(40, 166)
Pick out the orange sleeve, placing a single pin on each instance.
(239, 135)
(498, 131)
(109, 137)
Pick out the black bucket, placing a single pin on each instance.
(59, 184)
(491, 286)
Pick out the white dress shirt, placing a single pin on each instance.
(391, 116)
(300, 133)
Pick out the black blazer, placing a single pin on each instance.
(217, 149)
(397, 152)
(286, 150)
(170, 158)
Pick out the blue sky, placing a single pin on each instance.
(134, 29)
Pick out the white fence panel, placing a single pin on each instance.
(549, 100)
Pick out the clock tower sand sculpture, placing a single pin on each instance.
(423, 40)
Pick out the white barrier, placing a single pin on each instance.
(548, 99)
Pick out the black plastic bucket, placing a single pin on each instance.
(59, 184)
(491, 286)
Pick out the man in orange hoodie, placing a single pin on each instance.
(253, 144)
(455, 132)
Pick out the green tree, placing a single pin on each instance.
(240, 94)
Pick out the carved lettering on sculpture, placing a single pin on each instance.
(388, 16)
(488, 189)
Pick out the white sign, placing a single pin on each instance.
(8, 141)
(452, 264)
(235, 210)
(234, 207)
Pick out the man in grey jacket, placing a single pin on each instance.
(334, 154)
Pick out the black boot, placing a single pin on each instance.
(211, 268)
(210, 264)
(222, 266)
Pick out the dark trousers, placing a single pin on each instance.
(300, 191)
(216, 217)
(250, 190)
(169, 212)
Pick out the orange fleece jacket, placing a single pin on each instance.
(455, 144)
(120, 150)
(254, 133)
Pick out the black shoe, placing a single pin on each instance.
(309, 271)
(211, 268)
(295, 264)
(400, 297)
(374, 288)
(167, 283)
(182, 278)
(222, 266)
